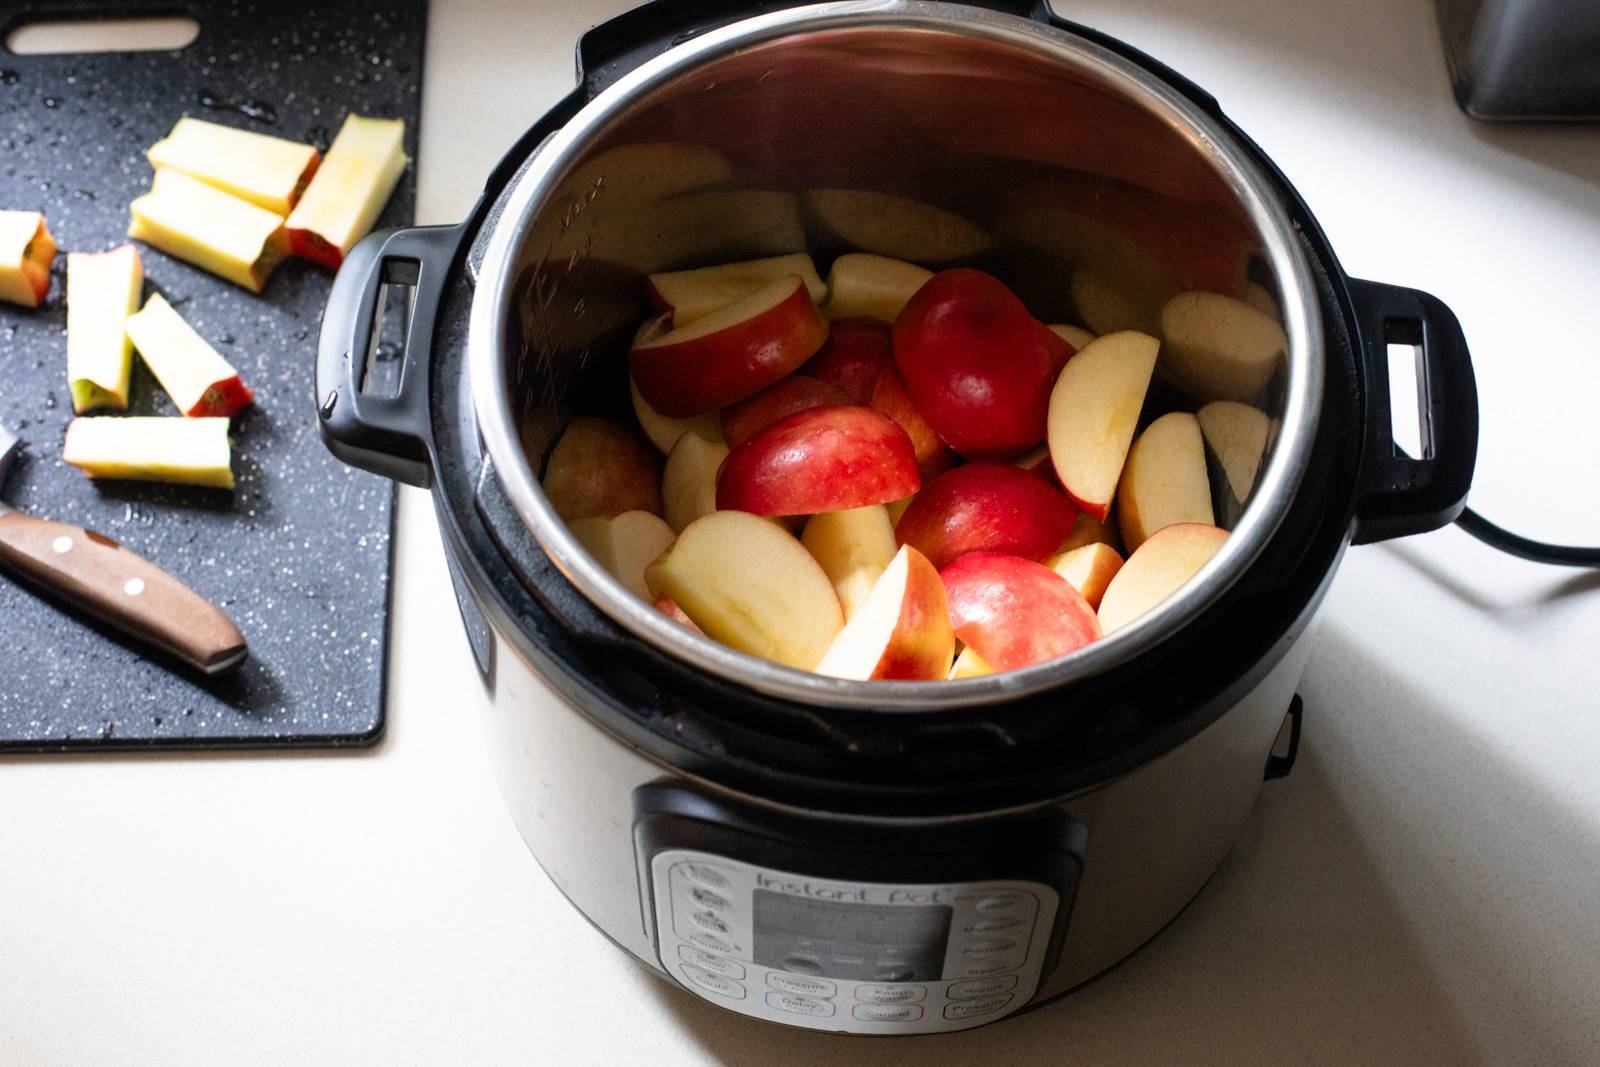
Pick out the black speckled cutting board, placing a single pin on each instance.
(299, 554)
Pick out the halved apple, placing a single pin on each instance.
(969, 665)
(902, 632)
(151, 449)
(664, 432)
(1219, 348)
(1076, 336)
(232, 238)
(854, 546)
(1094, 409)
(26, 252)
(200, 382)
(270, 172)
(784, 397)
(731, 353)
(103, 289)
(689, 482)
(349, 189)
(991, 506)
(1236, 439)
(862, 285)
(1156, 570)
(821, 459)
(688, 295)
(855, 354)
(747, 583)
(1014, 612)
(1164, 480)
(1089, 569)
(599, 467)
(625, 544)
(888, 224)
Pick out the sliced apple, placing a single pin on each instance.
(1014, 612)
(1236, 436)
(599, 467)
(784, 397)
(625, 544)
(665, 432)
(1089, 569)
(897, 508)
(1076, 336)
(689, 482)
(889, 397)
(151, 449)
(986, 506)
(731, 353)
(270, 172)
(1219, 348)
(821, 459)
(103, 289)
(1156, 570)
(747, 583)
(854, 546)
(232, 238)
(1164, 480)
(888, 224)
(901, 633)
(1094, 409)
(1256, 296)
(693, 294)
(862, 285)
(669, 607)
(1088, 530)
(349, 189)
(1110, 306)
(200, 382)
(26, 252)
(855, 354)
(969, 665)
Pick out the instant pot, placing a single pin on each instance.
(901, 857)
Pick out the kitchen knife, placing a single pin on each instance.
(120, 588)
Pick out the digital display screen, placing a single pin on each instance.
(857, 942)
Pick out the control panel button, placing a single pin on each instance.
(708, 899)
(891, 994)
(709, 943)
(796, 983)
(981, 987)
(1009, 904)
(715, 983)
(995, 926)
(725, 967)
(706, 875)
(710, 923)
(969, 1009)
(986, 969)
(801, 965)
(983, 949)
(793, 1002)
(887, 1013)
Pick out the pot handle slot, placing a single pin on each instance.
(1400, 495)
(376, 345)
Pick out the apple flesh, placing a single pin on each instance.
(976, 364)
(103, 289)
(902, 631)
(1219, 348)
(1088, 530)
(821, 459)
(200, 382)
(748, 584)
(687, 295)
(625, 545)
(1076, 336)
(1014, 612)
(1156, 570)
(1089, 569)
(969, 665)
(1094, 409)
(1236, 438)
(151, 449)
(853, 546)
(862, 285)
(889, 397)
(270, 172)
(986, 506)
(689, 483)
(732, 353)
(232, 238)
(26, 252)
(348, 191)
(855, 354)
(669, 607)
(891, 225)
(785, 397)
(664, 432)
(1164, 480)
(598, 467)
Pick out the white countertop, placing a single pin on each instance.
(1424, 888)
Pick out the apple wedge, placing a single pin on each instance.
(969, 665)
(26, 252)
(1076, 336)
(688, 295)
(349, 189)
(782, 398)
(625, 544)
(855, 354)
(232, 238)
(1236, 442)
(747, 583)
(888, 224)
(821, 459)
(599, 467)
(200, 382)
(270, 172)
(862, 285)
(1219, 348)
(853, 546)
(665, 432)
(1156, 570)
(897, 508)
(1094, 409)
(901, 633)
(889, 397)
(1088, 530)
(151, 449)
(669, 607)
(986, 506)
(1110, 307)
(731, 353)
(1014, 612)
(689, 482)
(1164, 480)
(103, 289)
(1089, 569)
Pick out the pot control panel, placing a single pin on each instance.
(861, 957)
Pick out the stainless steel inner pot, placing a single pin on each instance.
(1098, 189)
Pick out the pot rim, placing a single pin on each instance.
(491, 316)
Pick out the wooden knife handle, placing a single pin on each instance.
(122, 589)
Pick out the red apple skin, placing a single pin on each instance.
(922, 645)
(795, 393)
(857, 350)
(820, 459)
(722, 368)
(225, 399)
(976, 365)
(889, 397)
(1014, 612)
(990, 507)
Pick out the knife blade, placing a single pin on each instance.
(115, 585)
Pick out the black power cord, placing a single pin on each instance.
(1516, 545)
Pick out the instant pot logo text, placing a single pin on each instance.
(853, 894)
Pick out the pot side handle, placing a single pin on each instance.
(1399, 495)
(373, 365)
